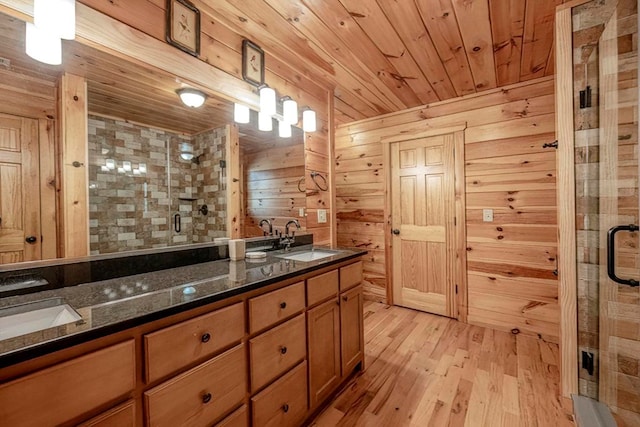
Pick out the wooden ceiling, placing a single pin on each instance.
(388, 55)
(116, 87)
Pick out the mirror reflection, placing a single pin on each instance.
(157, 171)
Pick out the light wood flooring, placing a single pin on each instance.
(426, 370)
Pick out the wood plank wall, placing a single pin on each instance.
(511, 261)
(271, 180)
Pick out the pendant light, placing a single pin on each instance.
(43, 46)
(309, 120)
(267, 101)
(265, 123)
(284, 129)
(56, 17)
(290, 110)
(241, 113)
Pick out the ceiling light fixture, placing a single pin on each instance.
(284, 129)
(290, 110)
(309, 121)
(43, 46)
(56, 17)
(192, 98)
(267, 100)
(241, 113)
(265, 123)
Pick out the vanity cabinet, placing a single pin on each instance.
(267, 357)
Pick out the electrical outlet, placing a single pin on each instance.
(301, 212)
(487, 215)
(322, 216)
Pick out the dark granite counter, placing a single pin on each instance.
(113, 305)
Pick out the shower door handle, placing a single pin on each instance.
(611, 254)
(177, 223)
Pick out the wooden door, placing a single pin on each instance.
(19, 190)
(323, 331)
(423, 210)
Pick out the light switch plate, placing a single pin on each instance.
(322, 216)
(301, 212)
(487, 215)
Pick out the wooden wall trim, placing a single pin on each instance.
(460, 229)
(567, 273)
(74, 166)
(234, 176)
(48, 188)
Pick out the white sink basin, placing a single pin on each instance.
(307, 256)
(35, 316)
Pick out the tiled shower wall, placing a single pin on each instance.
(133, 205)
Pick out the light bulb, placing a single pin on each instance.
(268, 101)
(241, 113)
(265, 123)
(309, 121)
(56, 17)
(290, 111)
(284, 129)
(42, 46)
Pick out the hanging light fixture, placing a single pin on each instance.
(265, 123)
(191, 97)
(309, 120)
(241, 113)
(290, 110)
(56, 17)
(42, 46)
(284, 129)
(267, 100)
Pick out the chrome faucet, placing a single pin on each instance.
(266, 221)
(286, 227)
(287, 240)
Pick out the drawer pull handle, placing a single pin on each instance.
(206, 398)
(205, 337)
(283, 350)
(285, 408)
(283, 305)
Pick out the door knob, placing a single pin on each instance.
(31, 240)
(396, 231)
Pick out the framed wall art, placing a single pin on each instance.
(183, 26)
(252, 63)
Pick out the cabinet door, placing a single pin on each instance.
(351, 329)
(323, 334)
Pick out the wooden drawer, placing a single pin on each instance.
(322, 287)
(69, 389)
(200, 396)
(177, 346)
(121, 416)
(283, 403)
(350, 276)
(276, 351)
(239, 418)
(274, 306)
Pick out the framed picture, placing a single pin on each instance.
(183, 26)
(252, 63)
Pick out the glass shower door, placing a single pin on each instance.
(607, 169)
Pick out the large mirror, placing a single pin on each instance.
(157, 169)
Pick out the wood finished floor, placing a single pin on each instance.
(427, 370)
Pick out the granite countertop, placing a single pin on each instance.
(110, 306)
